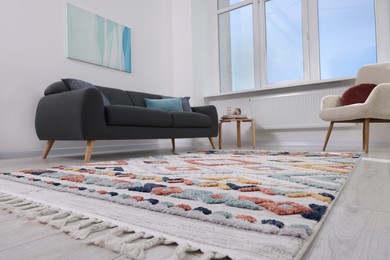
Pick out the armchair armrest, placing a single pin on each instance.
(378, 103)
(210, 111)
(71, 115)
(330, 101)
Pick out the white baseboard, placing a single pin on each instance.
(80, 150)
(183, 144)
(331, 145)
(102, 147)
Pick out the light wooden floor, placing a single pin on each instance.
(358, 226)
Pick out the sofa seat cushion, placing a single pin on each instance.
(190, 119)
(120, 115)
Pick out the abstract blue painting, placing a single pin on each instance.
(95, 39)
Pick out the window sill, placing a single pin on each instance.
(282, 86)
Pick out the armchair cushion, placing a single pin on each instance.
(357, 94)
(345, 113)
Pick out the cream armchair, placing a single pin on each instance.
(376, 109)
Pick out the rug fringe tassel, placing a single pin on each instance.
(56, 215)
(33, 213)
(10, 203)
(46, 212)
(112, 240)
(207, 256)
(180, 252)
(83, 224)
(82, 234)
(137, 251)
(5, 197)
(20, 208)
(118, 239)
(15, 207)
(60, 223)
(108, 241)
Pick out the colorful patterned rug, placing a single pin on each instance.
(234, 204)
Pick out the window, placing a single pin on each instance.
(267, 43)
(283, 19)
(347, 36)
(236, 49)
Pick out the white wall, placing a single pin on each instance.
(195, 48)
(205, 48)
(182, 46)
(32, 50)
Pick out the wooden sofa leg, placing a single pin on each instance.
(88, 150)
(212, 142)
(366, 128)
(48, 146)
(173, 145)
(328, 135)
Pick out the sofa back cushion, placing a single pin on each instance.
(116, 96)
(56, 87)
(113, 95)
(138, 98)
(76, 84)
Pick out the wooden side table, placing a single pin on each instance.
(238, 121)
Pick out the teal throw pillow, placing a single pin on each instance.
(74, 84)
(166, 104)
(185, 103)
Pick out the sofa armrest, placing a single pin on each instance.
(71, 115)
(210, 111)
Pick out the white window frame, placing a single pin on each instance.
(311, 49)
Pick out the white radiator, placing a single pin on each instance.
(286, 111)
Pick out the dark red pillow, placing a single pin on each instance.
(357, 94)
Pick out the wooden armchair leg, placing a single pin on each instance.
(88, 150)
(212, 142)
(173, 145)
(48, 146)
(366, 128)
(364, 135)
(330, 128)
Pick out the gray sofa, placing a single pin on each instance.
(83, 114)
